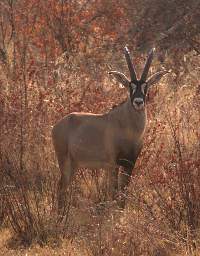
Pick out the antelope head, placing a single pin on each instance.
(138, 88)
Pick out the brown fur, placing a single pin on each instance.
(98, 141)
(105, 140)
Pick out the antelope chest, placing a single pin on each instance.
(129, 146)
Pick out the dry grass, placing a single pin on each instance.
(162, 211)
(67, 248)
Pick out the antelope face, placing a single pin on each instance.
(138, 87)
(138, 91)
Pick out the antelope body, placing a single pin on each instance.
(105, 140)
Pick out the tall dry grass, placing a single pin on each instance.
(162, 209)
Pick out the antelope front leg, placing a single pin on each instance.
(113, 183)
(124, 180)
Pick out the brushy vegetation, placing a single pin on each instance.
(162, 212)
(44, 78)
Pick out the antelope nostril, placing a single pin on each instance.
(139, 101)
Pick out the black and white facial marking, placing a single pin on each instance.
(138, 91)
(138, 87)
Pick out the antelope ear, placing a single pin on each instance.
(121, 78)
(156, 77)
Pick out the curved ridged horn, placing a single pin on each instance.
(130, 64)
(147, 65)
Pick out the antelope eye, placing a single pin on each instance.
(133, 86)
(143, 86)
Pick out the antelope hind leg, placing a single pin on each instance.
(67, 172)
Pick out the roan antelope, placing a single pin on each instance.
(106, 140)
